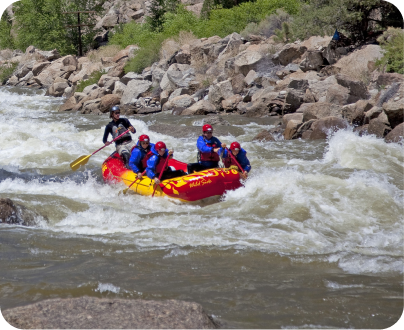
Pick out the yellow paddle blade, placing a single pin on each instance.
(79, 162)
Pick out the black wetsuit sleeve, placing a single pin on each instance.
(106, 133)
(129, 125)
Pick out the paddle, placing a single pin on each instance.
(161, 173)
(235, 160)
(126, 190)
(84, 159)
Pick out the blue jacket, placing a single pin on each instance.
(152, 163)
(202, 147)
(241, 158)
(135, 161)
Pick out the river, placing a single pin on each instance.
(314, 238)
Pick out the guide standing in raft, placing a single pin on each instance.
(116, 127)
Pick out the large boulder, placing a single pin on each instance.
(108, 101)
(38, 67)
(358, 61)
(230, 104)
(291, 129)
(356, 87)
(69, 104)
(320, 110)
(135, 89)
(319, 88)
(313, 60)
(251, 59)
(201, 107)
(378, 127)
(17, 214)
(96, 313)
(58, 87)
(220, 92)
(355, 113)
(394, 107)
(289, 53)
(325, 126)
(385, 79)
(182, 101)
(87, 68)
(48, 55)
(337, 94)
(396, 135)
(177, 76)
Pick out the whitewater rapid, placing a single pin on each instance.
(338, 201)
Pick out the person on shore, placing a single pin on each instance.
(239, 154)
(208, 147)
(116, 127)
(138, 160)
(156, 159)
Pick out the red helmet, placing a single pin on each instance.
(235, 146)
(207, 128)
(160, 145)
(144, 137)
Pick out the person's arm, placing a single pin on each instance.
(128, 125)
(151, 167)
(244, 162)
(135, 160)
(218, 143)
(106, 133)
(202, 147)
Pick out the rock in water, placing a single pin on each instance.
(14, 213)
(96, 313)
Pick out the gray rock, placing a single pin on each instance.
(17, 214)
(130, 76)
(49, 55)
(396, 135)
(219, 92)
(89, 88)
(38, 67)
(356, 87)
(320, 110)
(135, 89)
(289, 53)
(313, 61)
(325, 126)
(201, 107)
(182, 101)
(215, 120)
(95, 313)
(119, 88)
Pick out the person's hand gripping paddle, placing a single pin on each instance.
(161, 173)
(126, 190)
(84, 159)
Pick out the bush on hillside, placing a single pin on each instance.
(268, 26)
(222, 22)
(6, 71)
(392, 42)
(93, 79)
(6, 39)
(355, 18)
(95, 55)
(42, 23)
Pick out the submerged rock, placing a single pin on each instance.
(96, 313)
(17, 214)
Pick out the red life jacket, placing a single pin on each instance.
(209, 156)
(160, 164)
(229, 161)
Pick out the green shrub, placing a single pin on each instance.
(93, 79)
(392, 42)
(268, 26)
(6, 39)
(7, 71)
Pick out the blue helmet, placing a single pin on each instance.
(113, 109)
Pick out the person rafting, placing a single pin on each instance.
(116, 127)
(138, 160)
(156, 163)
(208, 146)
(240, 155)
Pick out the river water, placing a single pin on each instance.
(314, 238)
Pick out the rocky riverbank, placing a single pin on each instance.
(95, 313)
(316, 86)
